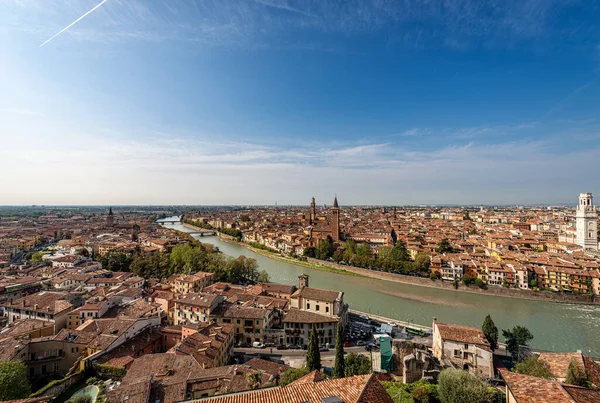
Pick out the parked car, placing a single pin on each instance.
(361, 343)
(369, 347)
(347, 344)
(282, 347)
(245, 345)
(293, 346)
(323, 348)
(269, 344)
(258, 344)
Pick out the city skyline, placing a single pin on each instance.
(257, 102)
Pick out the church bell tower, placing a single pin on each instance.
(587, 222)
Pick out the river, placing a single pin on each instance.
(555, 326)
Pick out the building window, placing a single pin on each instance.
(466, 346)
(307, 306)
(457, 354)
(327, 309)
(317, 308)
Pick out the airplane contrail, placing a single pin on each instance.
(74, 22)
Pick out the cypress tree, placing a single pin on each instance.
(490, 331)
(339, 370)
(313, 355)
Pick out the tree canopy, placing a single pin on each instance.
(534, 367)
(445, 247)
(186, 258)
(13, 381)
(516, 337)
(491, 332)
(292, 374)
(313, 355)
(339, 369)
(578, 376)
(357, 364)
(462, 387)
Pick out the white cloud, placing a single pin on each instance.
(58, 166)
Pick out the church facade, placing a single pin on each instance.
(325, 226)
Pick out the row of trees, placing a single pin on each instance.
(394, 259)
(186, 258)
(515, 338)
(349, 365)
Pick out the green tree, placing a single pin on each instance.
(263, 277)
(534, 367)
(578, 376)
(324, 249)
(313, 355)
(339, 369)
(37, 256)
(515, 338)
(13, 381)
(292, 374)
(310, 251)
(422, 263)
(444, 246)
(462, 387)
(254, 380)
(357, 365)
(491, 332)
(350, 246)
(363, 250)
(116, 261)
(399, 252)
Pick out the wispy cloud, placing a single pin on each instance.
(20, 111)
(283, 6)
(458, 25)
(73, 23)
(128, 170)
(568, 99)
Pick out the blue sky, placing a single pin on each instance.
(264, 101)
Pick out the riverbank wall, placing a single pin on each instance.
(422, 281)
(497, 291)
(226, 237)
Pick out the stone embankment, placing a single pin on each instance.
(498, 291)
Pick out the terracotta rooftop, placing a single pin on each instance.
(559, 363)
(318, 294)
(462, 334)
(45, 301)
(582, 395)
(354, 389)
(530, 389)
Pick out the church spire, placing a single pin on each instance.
(335, 203)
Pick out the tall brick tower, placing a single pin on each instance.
(110, 220)
(335, 221)
(313, 211)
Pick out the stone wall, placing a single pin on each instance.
(58, 387)
(498, 291)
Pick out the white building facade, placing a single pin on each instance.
(587, 222)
